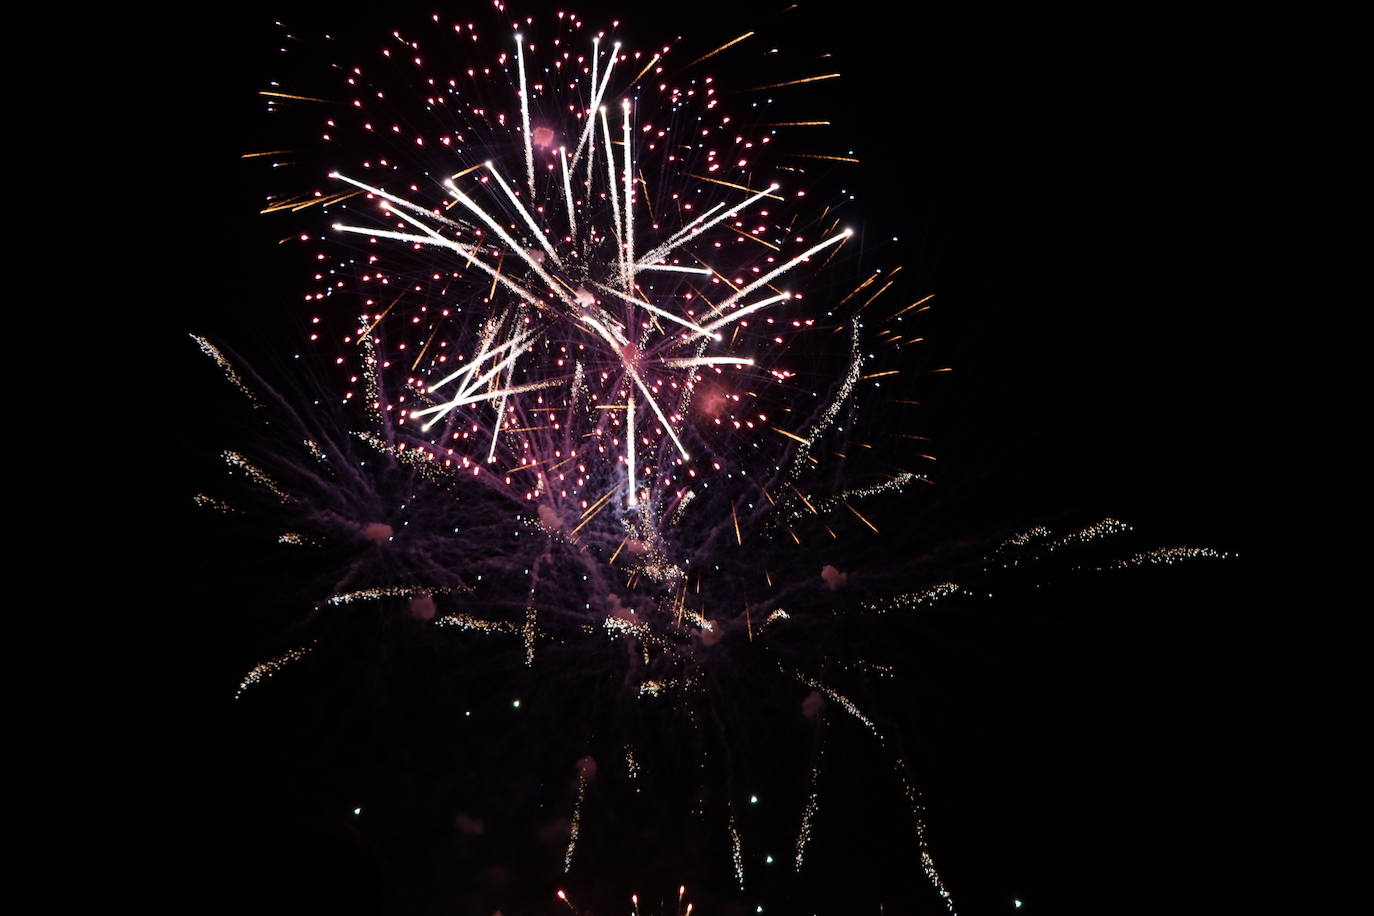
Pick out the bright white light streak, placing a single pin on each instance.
(500, 418)
(676, 269)
(689, 361)
(648, 396)
(672, 239)
(596, 59)
(595, 105)
(529, 218)
(505, 237)
(525, 112)
(748, 309)
(472, 385)
(567, 187)
(464, 396)
(629, 203)
(658, 311)
(466, 250)
(615, 198)
(612, 336)
(399, 201)
(478, 360)
(488, 396)
(779, 271)
(689, 233)
(632, 499)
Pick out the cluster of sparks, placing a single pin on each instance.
(561, 320)
(581, 309)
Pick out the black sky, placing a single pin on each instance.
(1146, 236)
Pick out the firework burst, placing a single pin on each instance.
(599, 410)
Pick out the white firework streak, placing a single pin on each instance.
(525, 116)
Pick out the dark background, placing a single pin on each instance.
(1143, 232)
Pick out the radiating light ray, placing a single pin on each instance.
(515, 341)
(399, 201)
(658, 411)
(617, 220)
(492, 395)
(675, 268)
(468, 251)
(465, 393)
(515, 247)
(567, 187)
(688, 361)
(525, 119)
(779, 271)
(524, 213)
(632, 494)
(629, 254)
(746, 310)
(689, 232)
(596, 100)
(662, 313)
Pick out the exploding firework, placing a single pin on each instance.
(603, 408)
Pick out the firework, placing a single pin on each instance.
(603, 408)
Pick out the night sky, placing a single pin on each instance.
(1143, 235)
